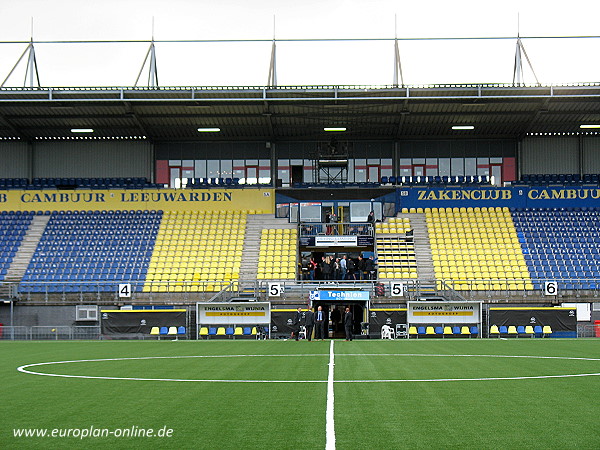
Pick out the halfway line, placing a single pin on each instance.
(330, 424)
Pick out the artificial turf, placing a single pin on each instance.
(535, 413)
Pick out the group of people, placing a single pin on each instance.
(318, 322)
(344, 268)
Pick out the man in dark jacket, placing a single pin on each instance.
(370, 268)
(309, 323)
(348, 323)
(298, 316)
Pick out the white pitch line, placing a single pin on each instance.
(329, 416)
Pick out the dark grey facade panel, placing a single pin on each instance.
(212, 150)
(457, 148)
(559, 155)
(591, 154)
(81, 159)
(15, 158)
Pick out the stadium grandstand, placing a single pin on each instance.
(146, 198)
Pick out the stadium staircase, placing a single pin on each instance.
(426, 286)
(27, 249)
(250, 253)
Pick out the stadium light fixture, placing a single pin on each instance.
(463, 127)
(209, 130)
(334, 129)
(590, 125)
(82, 130)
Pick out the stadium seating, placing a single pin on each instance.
(560, 245)
(437, 180)
(396, 257)
(92, 251)
(278, 255)
(477, 244)
(570, 179)
(13, 227)
(90, 183)
(196, 251)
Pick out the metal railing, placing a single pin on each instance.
(307, 229)
(508, 289)
(50, 333)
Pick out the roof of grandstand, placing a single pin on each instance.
(162, 114)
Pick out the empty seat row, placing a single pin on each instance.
(168, 331)
(521, 330)
(436, 180)
(568, 178)
(229, 331)
(443, 331)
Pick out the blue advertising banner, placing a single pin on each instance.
(517, 197)
(339, 295)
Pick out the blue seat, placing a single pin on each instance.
(212, 331)
(439, 330)
(475, 330)
(229, 331)
(247, 331)
(164, 331)
(503, 329)
(456, 330)
(421, 330)
(181, 330)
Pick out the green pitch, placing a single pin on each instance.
(472, 393)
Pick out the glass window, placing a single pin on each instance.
(444, 167)
(470, 166)
(200, 168)
(457, 166)
(359, 211)
(360, 170)
(310, 213)
(226, 168)
(175, 163)
(495, 160)
(212, 168)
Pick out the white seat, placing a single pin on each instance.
(302, 334)
(387, 332)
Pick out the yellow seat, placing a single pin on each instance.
(429, 330)
(172, 331)
(412, 330)
(447, 330)
(221, 331)
(547, 329)
(494, 329)
(529, 330)
(155, 331)
(239, 331)
(203, 331)
(465, 330)
(512, 329)
(254, 331)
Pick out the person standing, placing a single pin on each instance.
(309, 323)
(320, 324)
(336, 317)
(297, 323)
(348, 323)
(343, 268)
(370, 268)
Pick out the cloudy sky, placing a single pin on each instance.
(299, 63)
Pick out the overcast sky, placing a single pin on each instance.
(306, 63)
